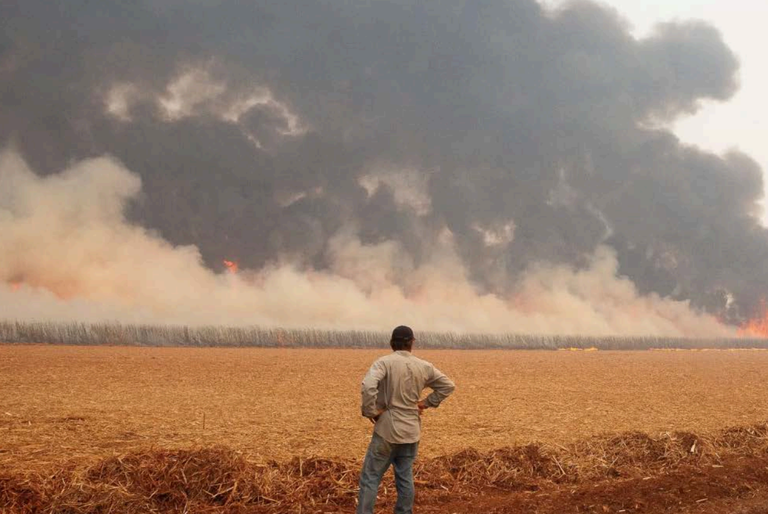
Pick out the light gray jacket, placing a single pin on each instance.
(394, 384)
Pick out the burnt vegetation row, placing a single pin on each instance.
(94, 334)
(223, 480)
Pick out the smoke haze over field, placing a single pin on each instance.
(83, 261)
(483, 166)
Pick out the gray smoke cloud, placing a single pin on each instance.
(69, 253)
(268, 132)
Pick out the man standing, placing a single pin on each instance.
(391, 400)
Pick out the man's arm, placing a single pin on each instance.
(441, 386)
(370, 390)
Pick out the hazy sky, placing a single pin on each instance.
(741, 122)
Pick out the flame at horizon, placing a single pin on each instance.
(232, 266)
(757, 326)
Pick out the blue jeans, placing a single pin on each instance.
(379, 456)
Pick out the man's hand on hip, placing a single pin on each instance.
(376, 417)
(422, 406)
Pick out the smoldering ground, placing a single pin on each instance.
(470, 166)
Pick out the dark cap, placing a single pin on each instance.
(402, 333)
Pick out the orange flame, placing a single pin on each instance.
(231, 266)
(757, 326)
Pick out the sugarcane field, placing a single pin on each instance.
(383, 256)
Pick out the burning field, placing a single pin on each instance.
(303, 176)
(441, 174)
(260, 430)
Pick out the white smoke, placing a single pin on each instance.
(67, 252)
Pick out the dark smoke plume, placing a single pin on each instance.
(521, 139)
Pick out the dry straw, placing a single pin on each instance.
(221, 480)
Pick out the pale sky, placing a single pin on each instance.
(741, 122)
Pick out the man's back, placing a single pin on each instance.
(394, 385)
(391, 391)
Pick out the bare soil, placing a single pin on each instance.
(584, 431)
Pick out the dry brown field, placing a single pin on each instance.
(62, 404)
(59, 402)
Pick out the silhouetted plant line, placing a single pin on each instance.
(29, 332)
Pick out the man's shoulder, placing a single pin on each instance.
(426, 364)
(399, 356)
(385, 358)
(420, 361)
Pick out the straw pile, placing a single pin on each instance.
(218, 479)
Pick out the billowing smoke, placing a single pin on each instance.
(479, 166)
(68, 253)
